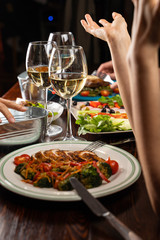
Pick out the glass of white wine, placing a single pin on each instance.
(69, 79)
(37, 60)
(62, 39)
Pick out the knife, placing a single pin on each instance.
(99, 210)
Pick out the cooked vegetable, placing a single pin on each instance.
(65, 185)
(89, 177)
(19, 167)
(43, 181)
(105, 169)
(53, 168)
(27, 173)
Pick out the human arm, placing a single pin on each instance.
(145, 98)
(5, 104)
(118, 39)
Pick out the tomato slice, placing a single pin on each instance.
(21, 159)
(105, 93)
(84, 93)
(94, 104)
(116, 105)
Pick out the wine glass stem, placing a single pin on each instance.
(69, 134)
(45, 98)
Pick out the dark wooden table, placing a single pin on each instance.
(23, 218)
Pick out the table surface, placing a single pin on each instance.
(27, 219)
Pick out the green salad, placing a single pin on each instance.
(101, 123)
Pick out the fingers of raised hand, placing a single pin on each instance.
(89, 25)
(118, 18)
(90, 21)
(103, 22)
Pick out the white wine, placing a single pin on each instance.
(68, 85)
(39, 75)
(66, 61)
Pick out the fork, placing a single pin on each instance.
(94, 145)
(103, 76)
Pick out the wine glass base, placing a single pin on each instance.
(70, 139)
(53, 130)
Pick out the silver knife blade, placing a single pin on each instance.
(99, 210)
(91, 202)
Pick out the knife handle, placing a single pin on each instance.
(127, 233)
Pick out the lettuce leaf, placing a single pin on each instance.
(101, 123)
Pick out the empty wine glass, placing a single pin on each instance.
(37, 60)
(62, 39)
(69, 79)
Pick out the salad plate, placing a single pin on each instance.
(128, 173)
(79, 109)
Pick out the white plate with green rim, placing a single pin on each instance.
(128, 173)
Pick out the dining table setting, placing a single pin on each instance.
(69, 165)
(27, 214)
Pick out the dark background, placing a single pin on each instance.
(22, 21)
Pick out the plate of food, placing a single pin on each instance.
(48, 178)
(94, 88)
(105, 116)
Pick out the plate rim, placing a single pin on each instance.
(132, 178)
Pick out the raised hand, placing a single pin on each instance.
(108, 31)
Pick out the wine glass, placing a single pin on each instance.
(37, 60)
(62, 38)
(69, 79)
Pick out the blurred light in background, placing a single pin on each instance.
(50, 18)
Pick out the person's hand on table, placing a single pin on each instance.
(5, 104)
